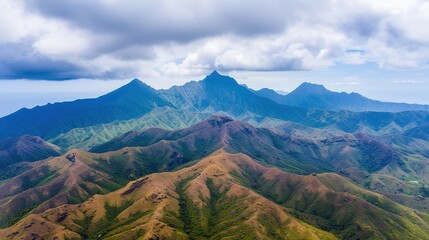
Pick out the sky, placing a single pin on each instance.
(62, 50)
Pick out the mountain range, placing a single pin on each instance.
(213, 159)
(90, 122)
(224, 180)
(308, 95)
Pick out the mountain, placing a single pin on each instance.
(364, 159)
(270, 94)
(49, 183)
(313, 174)
(229, 155)
(228, 196)
(222, 93)
(136, 106)
(294, 154)
(130, 101)
(309, 95)
(217, 94)
(77, 174)
(25, 148)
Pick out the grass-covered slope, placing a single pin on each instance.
(229, 196)
(162, 117)
(301, 155)
(363, 159)
(136, 154)
(66, 179)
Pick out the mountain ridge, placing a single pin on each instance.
(215, 93)
(26, 148)
(309, 95)
(131, 100)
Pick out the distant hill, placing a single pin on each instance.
(270, 94)
(26, 148)
(309, 95)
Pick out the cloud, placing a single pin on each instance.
(407, 82)
(133, 38)
(19, 61)
(298, 48)
(135, 21)
(349, 80)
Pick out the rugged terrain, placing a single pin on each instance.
(229, 195)
(213, 159)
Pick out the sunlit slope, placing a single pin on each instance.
(229, 196)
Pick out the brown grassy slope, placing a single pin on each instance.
(50, 183)
(229, 195)
(294, 154)
(153, 203)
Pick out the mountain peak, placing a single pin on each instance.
(132, 89)
(215, 73)
(216, 78)
(312, 88)
(219, 120)
(137, 83)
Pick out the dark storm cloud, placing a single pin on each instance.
(19, 61)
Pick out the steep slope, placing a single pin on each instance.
(419, 132)
(162, 117)
(25, 148)
(77, 175)
(53, 182)
(309, 95)
(229, 196)
(129, 101)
